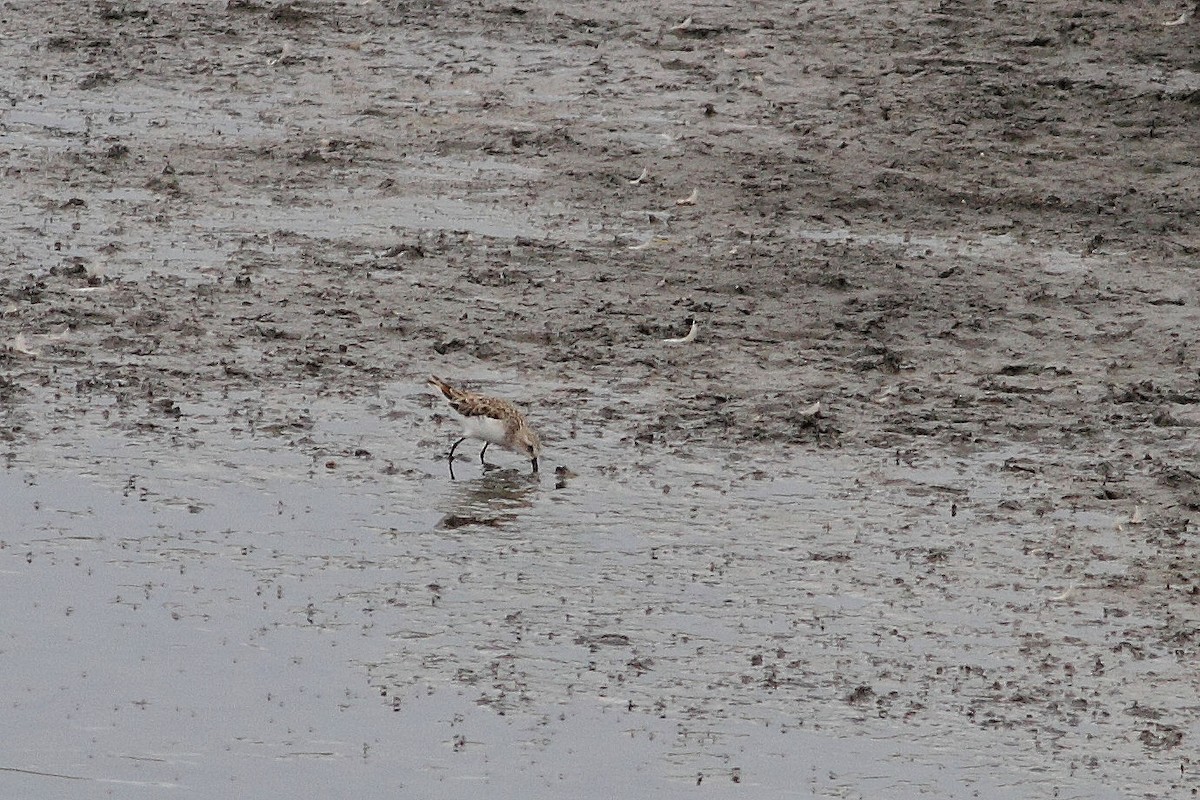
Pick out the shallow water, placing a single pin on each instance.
(242, 612)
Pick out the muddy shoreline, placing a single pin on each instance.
(241, 235)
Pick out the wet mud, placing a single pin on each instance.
(914, 513)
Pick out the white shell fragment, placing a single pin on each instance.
(1066, 595)
(691, 336)
(811, 411)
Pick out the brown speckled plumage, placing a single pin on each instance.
(471, 404)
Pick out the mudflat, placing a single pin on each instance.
(914, 511)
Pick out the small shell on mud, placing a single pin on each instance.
(690, 200)
(32, 344)
(691, 336)
(285, 53)
(645, 174)
(19, 344)
(811, 411)
(1066, 595)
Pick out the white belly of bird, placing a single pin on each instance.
(487, 429)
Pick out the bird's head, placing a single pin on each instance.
(527, 442)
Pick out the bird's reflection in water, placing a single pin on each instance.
(494, 499)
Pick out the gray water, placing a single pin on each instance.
(222, 612)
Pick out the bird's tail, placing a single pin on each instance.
(441, 385)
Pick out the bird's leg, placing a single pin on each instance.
(481, 452)
(535, 469)
(456, 444)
